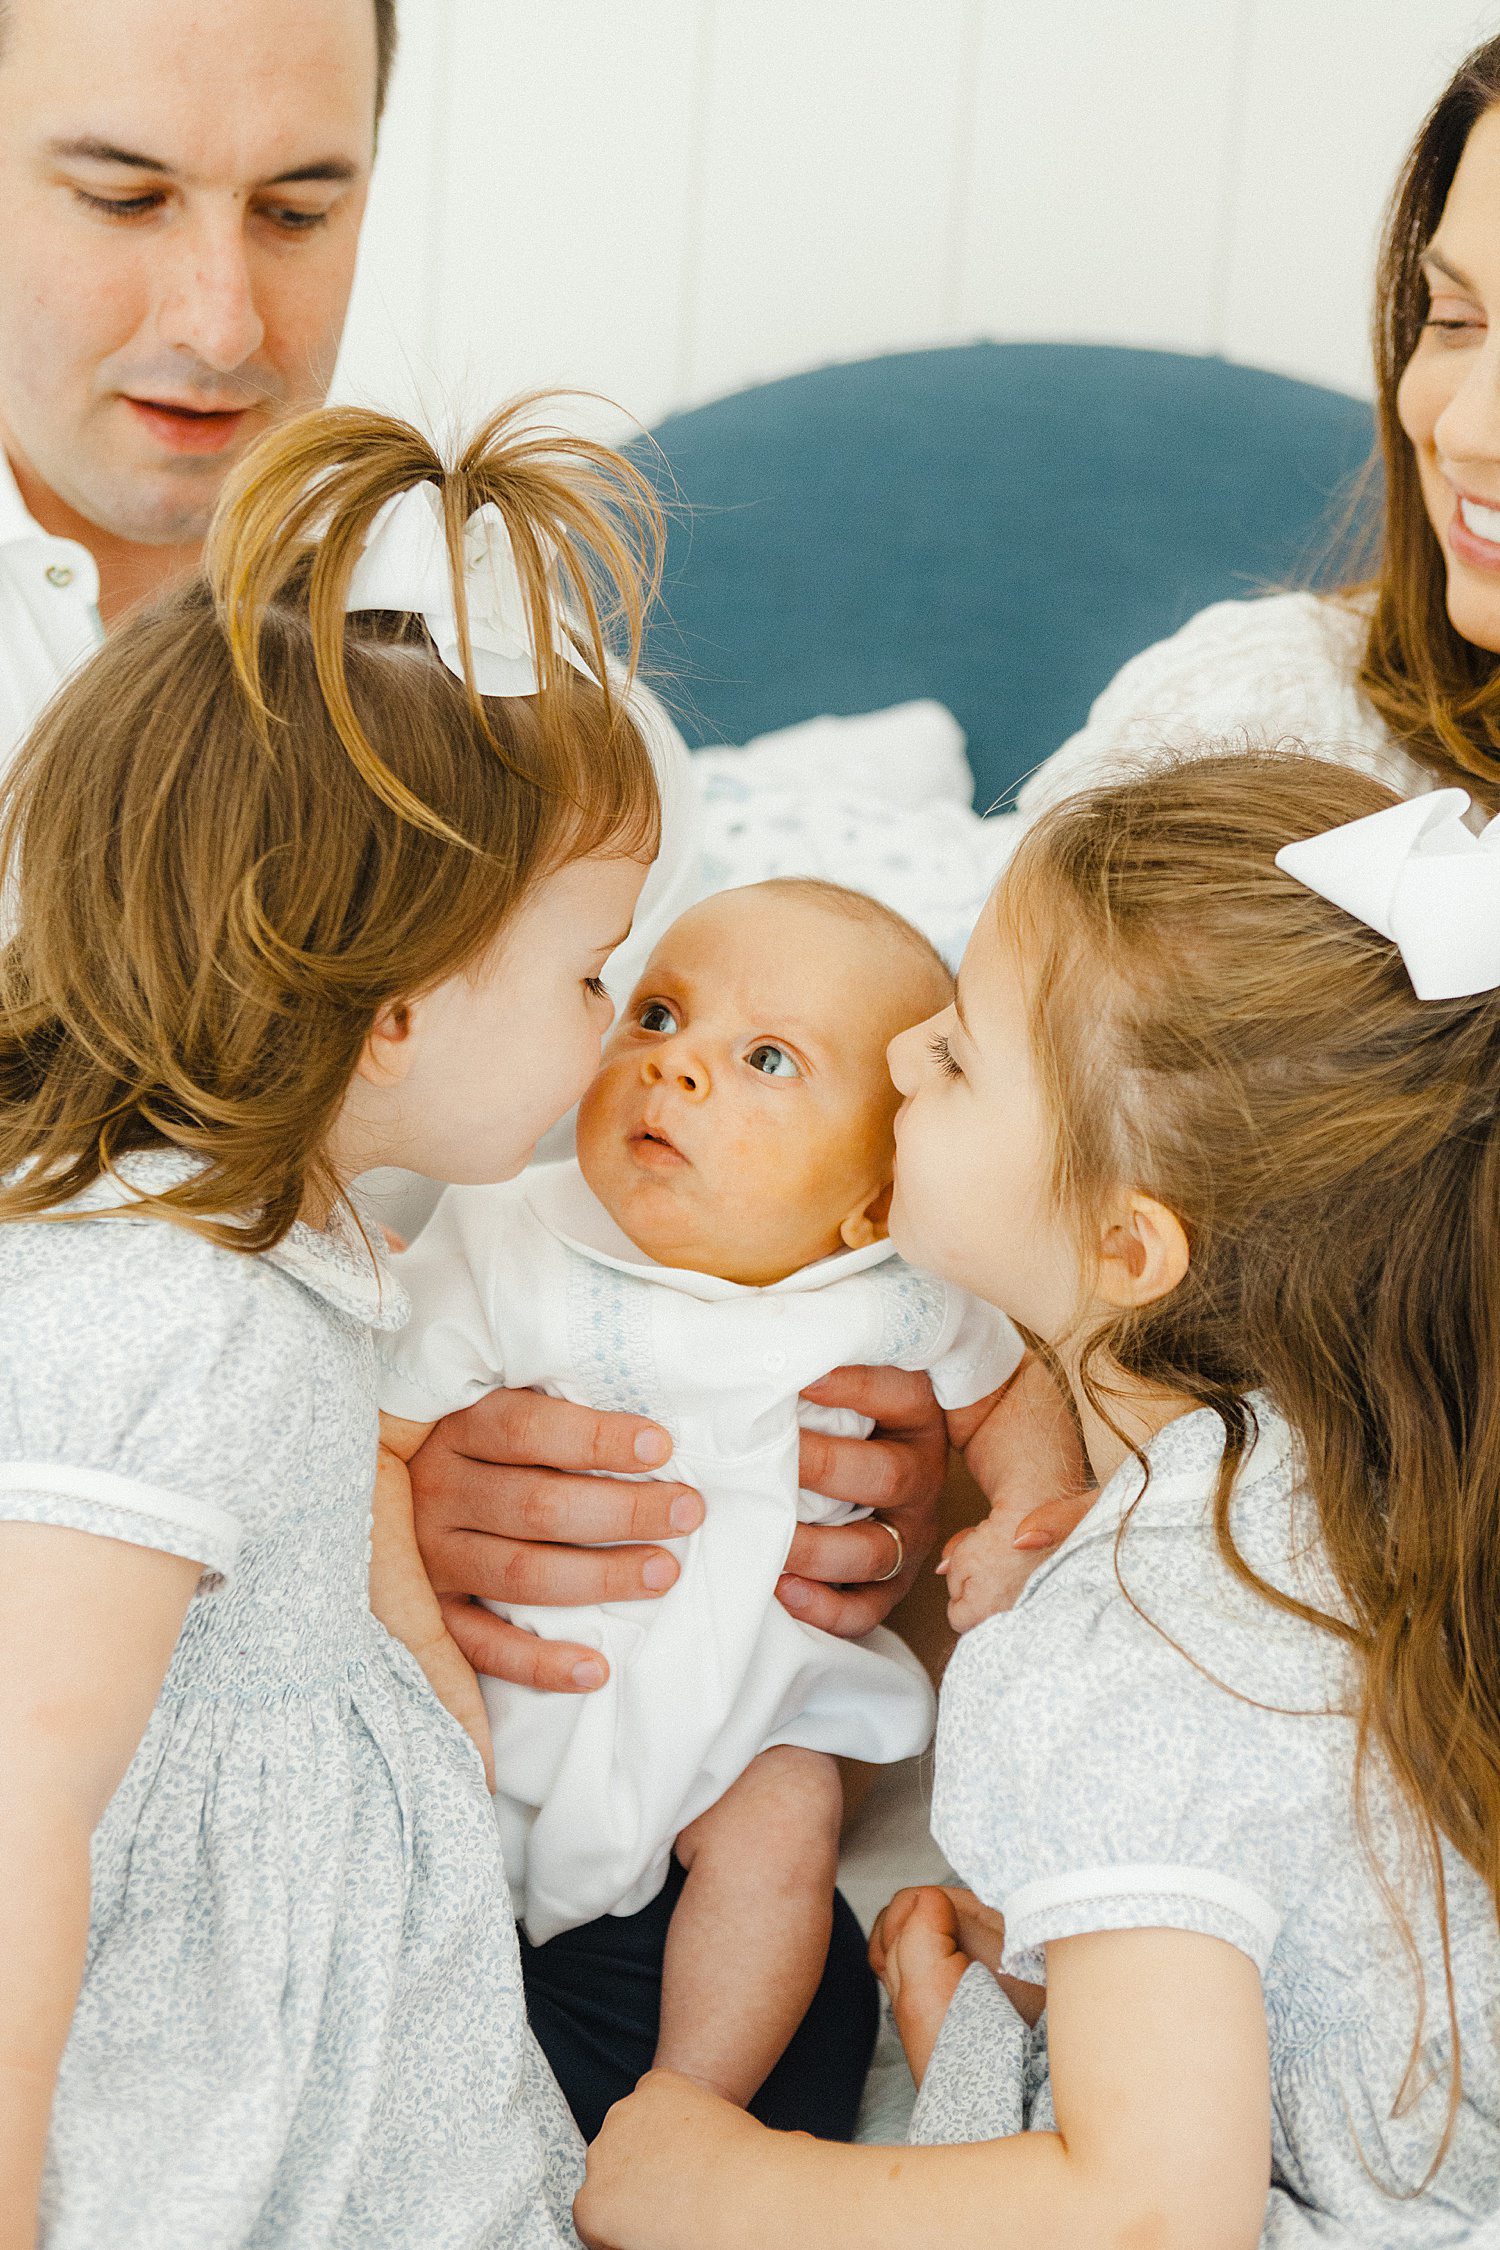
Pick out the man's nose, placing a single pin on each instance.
(680, 1068)
(209, 307)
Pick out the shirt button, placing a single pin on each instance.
(774, 1362)
(59, 574)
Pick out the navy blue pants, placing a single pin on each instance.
(594, 1999)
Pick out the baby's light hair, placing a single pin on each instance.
(1216, 1036)
(252, 821)
(931, 971)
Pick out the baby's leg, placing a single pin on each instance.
(749, 1935)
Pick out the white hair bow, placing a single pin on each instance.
(404, 566)
(1425, 881)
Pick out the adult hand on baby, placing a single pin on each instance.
(835, 1572)
(517, 1500)
(651, 2151)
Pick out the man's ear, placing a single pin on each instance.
(868, 1221)
(386, 1055)
(1143, 1254)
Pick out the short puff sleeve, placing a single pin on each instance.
(1091, 1776)
(145, 1375)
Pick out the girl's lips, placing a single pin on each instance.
(184, 429)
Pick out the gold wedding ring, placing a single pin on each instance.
(899, 1563)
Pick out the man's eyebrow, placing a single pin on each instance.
(1431, 257)
(338, 171)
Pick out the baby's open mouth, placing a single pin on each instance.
(653, 1146)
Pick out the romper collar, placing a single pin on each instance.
(568, 1208)
(345, 1266)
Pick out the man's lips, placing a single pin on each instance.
(189, 429)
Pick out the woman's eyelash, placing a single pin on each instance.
(597, 987)
(942, 1055)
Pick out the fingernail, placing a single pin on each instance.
(659, 1573)
(653, 1447)
(590, 1673)
(1031, 1539)
(686, 1512)
(793, 1593)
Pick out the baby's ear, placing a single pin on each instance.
(868, 1221)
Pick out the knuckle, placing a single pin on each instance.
(603, 1443)
(532, 1507)
(884, 1476)
(515, 1579)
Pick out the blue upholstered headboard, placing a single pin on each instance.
(996, 525)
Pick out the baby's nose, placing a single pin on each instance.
(685, 1072)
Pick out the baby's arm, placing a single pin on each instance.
(401, 1592)
(1157, 2052)
(1023, 1450)
(87, 1626)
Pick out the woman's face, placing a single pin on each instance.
(1449, 397)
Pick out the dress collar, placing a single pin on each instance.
(568, 1208)
(344, 1263)
(1184, 1458)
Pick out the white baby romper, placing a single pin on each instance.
(532, 1285)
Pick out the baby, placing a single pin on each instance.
(718, 1245)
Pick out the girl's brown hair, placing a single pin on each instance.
(1222, 1039)
(1439, 693)
(253, 821)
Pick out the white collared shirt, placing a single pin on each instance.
(49, 614)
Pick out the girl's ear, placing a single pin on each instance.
(386, 1055)
(869, 1221)
(1143, 1254)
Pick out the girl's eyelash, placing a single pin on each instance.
(942, 1055)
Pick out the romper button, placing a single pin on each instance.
(59, 574)
(774, 1362)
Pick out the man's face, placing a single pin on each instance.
(182, 185)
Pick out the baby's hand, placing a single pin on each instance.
(985, 1571)
(917, 1953)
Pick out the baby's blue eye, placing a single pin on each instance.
(772, 1061)
(657, 1016)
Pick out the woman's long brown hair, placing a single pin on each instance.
(1437, 692)
(253, 821)
(1223, 1039)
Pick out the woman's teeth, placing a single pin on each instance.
(1483, 522)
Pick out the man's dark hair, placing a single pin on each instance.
(385, 51)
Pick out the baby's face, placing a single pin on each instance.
(741, 1121)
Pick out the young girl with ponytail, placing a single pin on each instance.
(1216, 1116)
(317, 866)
